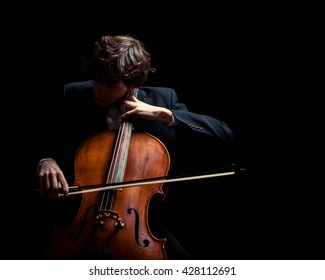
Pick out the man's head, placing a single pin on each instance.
(119, 58)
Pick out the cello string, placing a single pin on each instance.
(111, 172)
(118, 164)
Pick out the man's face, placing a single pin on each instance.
(109, 95)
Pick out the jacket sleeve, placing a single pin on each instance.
(199, 123)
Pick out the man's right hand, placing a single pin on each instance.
(52, 182)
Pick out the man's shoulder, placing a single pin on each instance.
(161, 96)
(78, 92)
(78, 85)
(153, 90)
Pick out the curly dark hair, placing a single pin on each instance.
(118, 58)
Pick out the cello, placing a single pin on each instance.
(113, 224)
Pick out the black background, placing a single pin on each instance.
(231, 63)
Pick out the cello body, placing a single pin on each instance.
(113, 224)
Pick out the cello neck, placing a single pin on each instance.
(121, 149)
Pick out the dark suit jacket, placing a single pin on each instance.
(84, 118)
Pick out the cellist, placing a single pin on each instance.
(116, 66)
